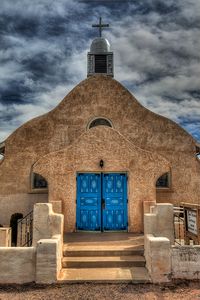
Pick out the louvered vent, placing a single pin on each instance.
(100, 64)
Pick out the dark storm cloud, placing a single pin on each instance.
(15, 92)
(44, 44)
(24, 26)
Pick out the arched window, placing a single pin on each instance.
(198, 152)
(100, 122)
(163, 181)
(38, 182)
(2, 152)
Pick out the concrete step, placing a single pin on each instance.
(105, 275)
(99, 250)
(103, 261)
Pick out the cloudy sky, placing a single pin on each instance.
(43, 47)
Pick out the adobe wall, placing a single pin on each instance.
(42, 262)
(119, 155)
(185, 173)
(20, 203)
(99, 96)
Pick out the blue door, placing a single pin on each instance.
(115, 198)
(101, 201)
(88, 213)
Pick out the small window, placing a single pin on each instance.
(163, 181)
(2, 152)
(100, 122)
(198, 153)
(39, 182)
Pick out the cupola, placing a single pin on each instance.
(100, 58)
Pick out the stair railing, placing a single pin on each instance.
(25, 230)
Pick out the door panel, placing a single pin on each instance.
(88, 212)
(115, 197)
(101, 201)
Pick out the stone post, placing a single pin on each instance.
(48, 240)
(46, 223)
(158, 258)
(160, 222)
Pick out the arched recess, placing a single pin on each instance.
(1, 157)
(39, 184)
(2, 152)
(164, 181)
(99, 121)
(198, 152)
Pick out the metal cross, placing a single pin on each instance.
(100, 26)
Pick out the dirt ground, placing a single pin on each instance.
(178, 290)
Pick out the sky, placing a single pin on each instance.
(44, 45)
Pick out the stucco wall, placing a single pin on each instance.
(101, 96)
(18, 203)
(119, 155)
(185, 176)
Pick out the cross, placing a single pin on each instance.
(100, 26)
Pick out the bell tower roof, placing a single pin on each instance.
(100, 45)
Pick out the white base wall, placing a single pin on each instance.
(42, 262)
(17, 264)
(185, 262)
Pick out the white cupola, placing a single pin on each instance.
(100, 58)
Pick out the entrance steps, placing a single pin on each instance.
(105, 275)
(104, 260)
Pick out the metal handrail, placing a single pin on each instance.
(26, 232)
(20, 220)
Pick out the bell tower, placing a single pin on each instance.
(100, 58)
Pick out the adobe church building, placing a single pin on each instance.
(100, 157)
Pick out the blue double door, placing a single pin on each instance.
(101, 201)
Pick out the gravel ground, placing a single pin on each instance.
(178, 290)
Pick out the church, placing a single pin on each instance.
(100, 157)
